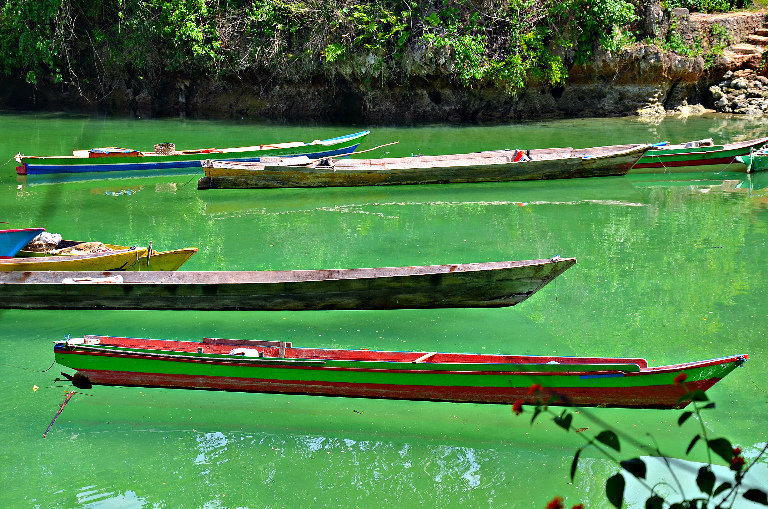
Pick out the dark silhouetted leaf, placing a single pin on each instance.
(722, 447)
(700, 396)
(709, 406)
(536, 413)
(634, 466)
(654, 502)
(678, 505)
(688, 396)
(575, 463)
(757, 496)
(723, 487)
(693, 442)
(564, 420)
(684, 417)
(610, 439)
(614, 490)
(705, 480)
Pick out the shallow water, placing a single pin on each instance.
(670, 268)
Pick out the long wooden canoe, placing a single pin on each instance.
(121, 159)
(278, 367)
(491, 166)
(106, 261)
(696, 154)
(493, 284)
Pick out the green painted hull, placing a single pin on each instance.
(756, 161)
(680, 157)
(397, 375)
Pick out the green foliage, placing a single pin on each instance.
(704, 5)
(468, 53)
(723, 495)
(28, 38)
(720, 40)
(594, 22)
(334, 52)
(508, 44)
(377, 26)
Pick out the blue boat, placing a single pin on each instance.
(166, 157)
(11, 241)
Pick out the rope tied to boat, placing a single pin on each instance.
(721, 171)
(150, 252)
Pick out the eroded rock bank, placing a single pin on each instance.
(656, 78)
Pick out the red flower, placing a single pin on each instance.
(579, 506)
(556, 503)
(682, 377)
(736, 451)
(517, 407)
(534, 389)
(737, 463)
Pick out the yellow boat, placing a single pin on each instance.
(161, 260)
(149, 259)
(122, 259)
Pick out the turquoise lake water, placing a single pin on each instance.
(670, 268)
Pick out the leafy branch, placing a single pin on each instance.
(608, 442)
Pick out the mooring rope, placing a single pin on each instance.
(8, 161)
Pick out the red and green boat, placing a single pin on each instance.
(278, 367)
(166, 157)
(695, 153)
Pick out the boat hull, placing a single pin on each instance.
(579, 384)
(109, 261)
(342, 145)
(12, 241)
(492, 166)
(157, 261)
(681, 157)
(757, 161)
(493, 284)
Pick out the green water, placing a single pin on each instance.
(670, 268)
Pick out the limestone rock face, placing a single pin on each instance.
(742, 92)
(645, 78)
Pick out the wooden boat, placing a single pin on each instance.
(274, 366)
(166, 156)
(12, 241)
(491, 166)
(104, 261)
(756, 160)
(492, 284)
(696, 153)
(153, 260)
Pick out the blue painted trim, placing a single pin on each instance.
(42, 169)
(311, 155)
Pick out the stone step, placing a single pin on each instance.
(751, 60)
(747, 49)
(762, 32)
(758, 40)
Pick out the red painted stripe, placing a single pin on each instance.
(665, 396)
(693, 162)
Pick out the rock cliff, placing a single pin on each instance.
(643, 78)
